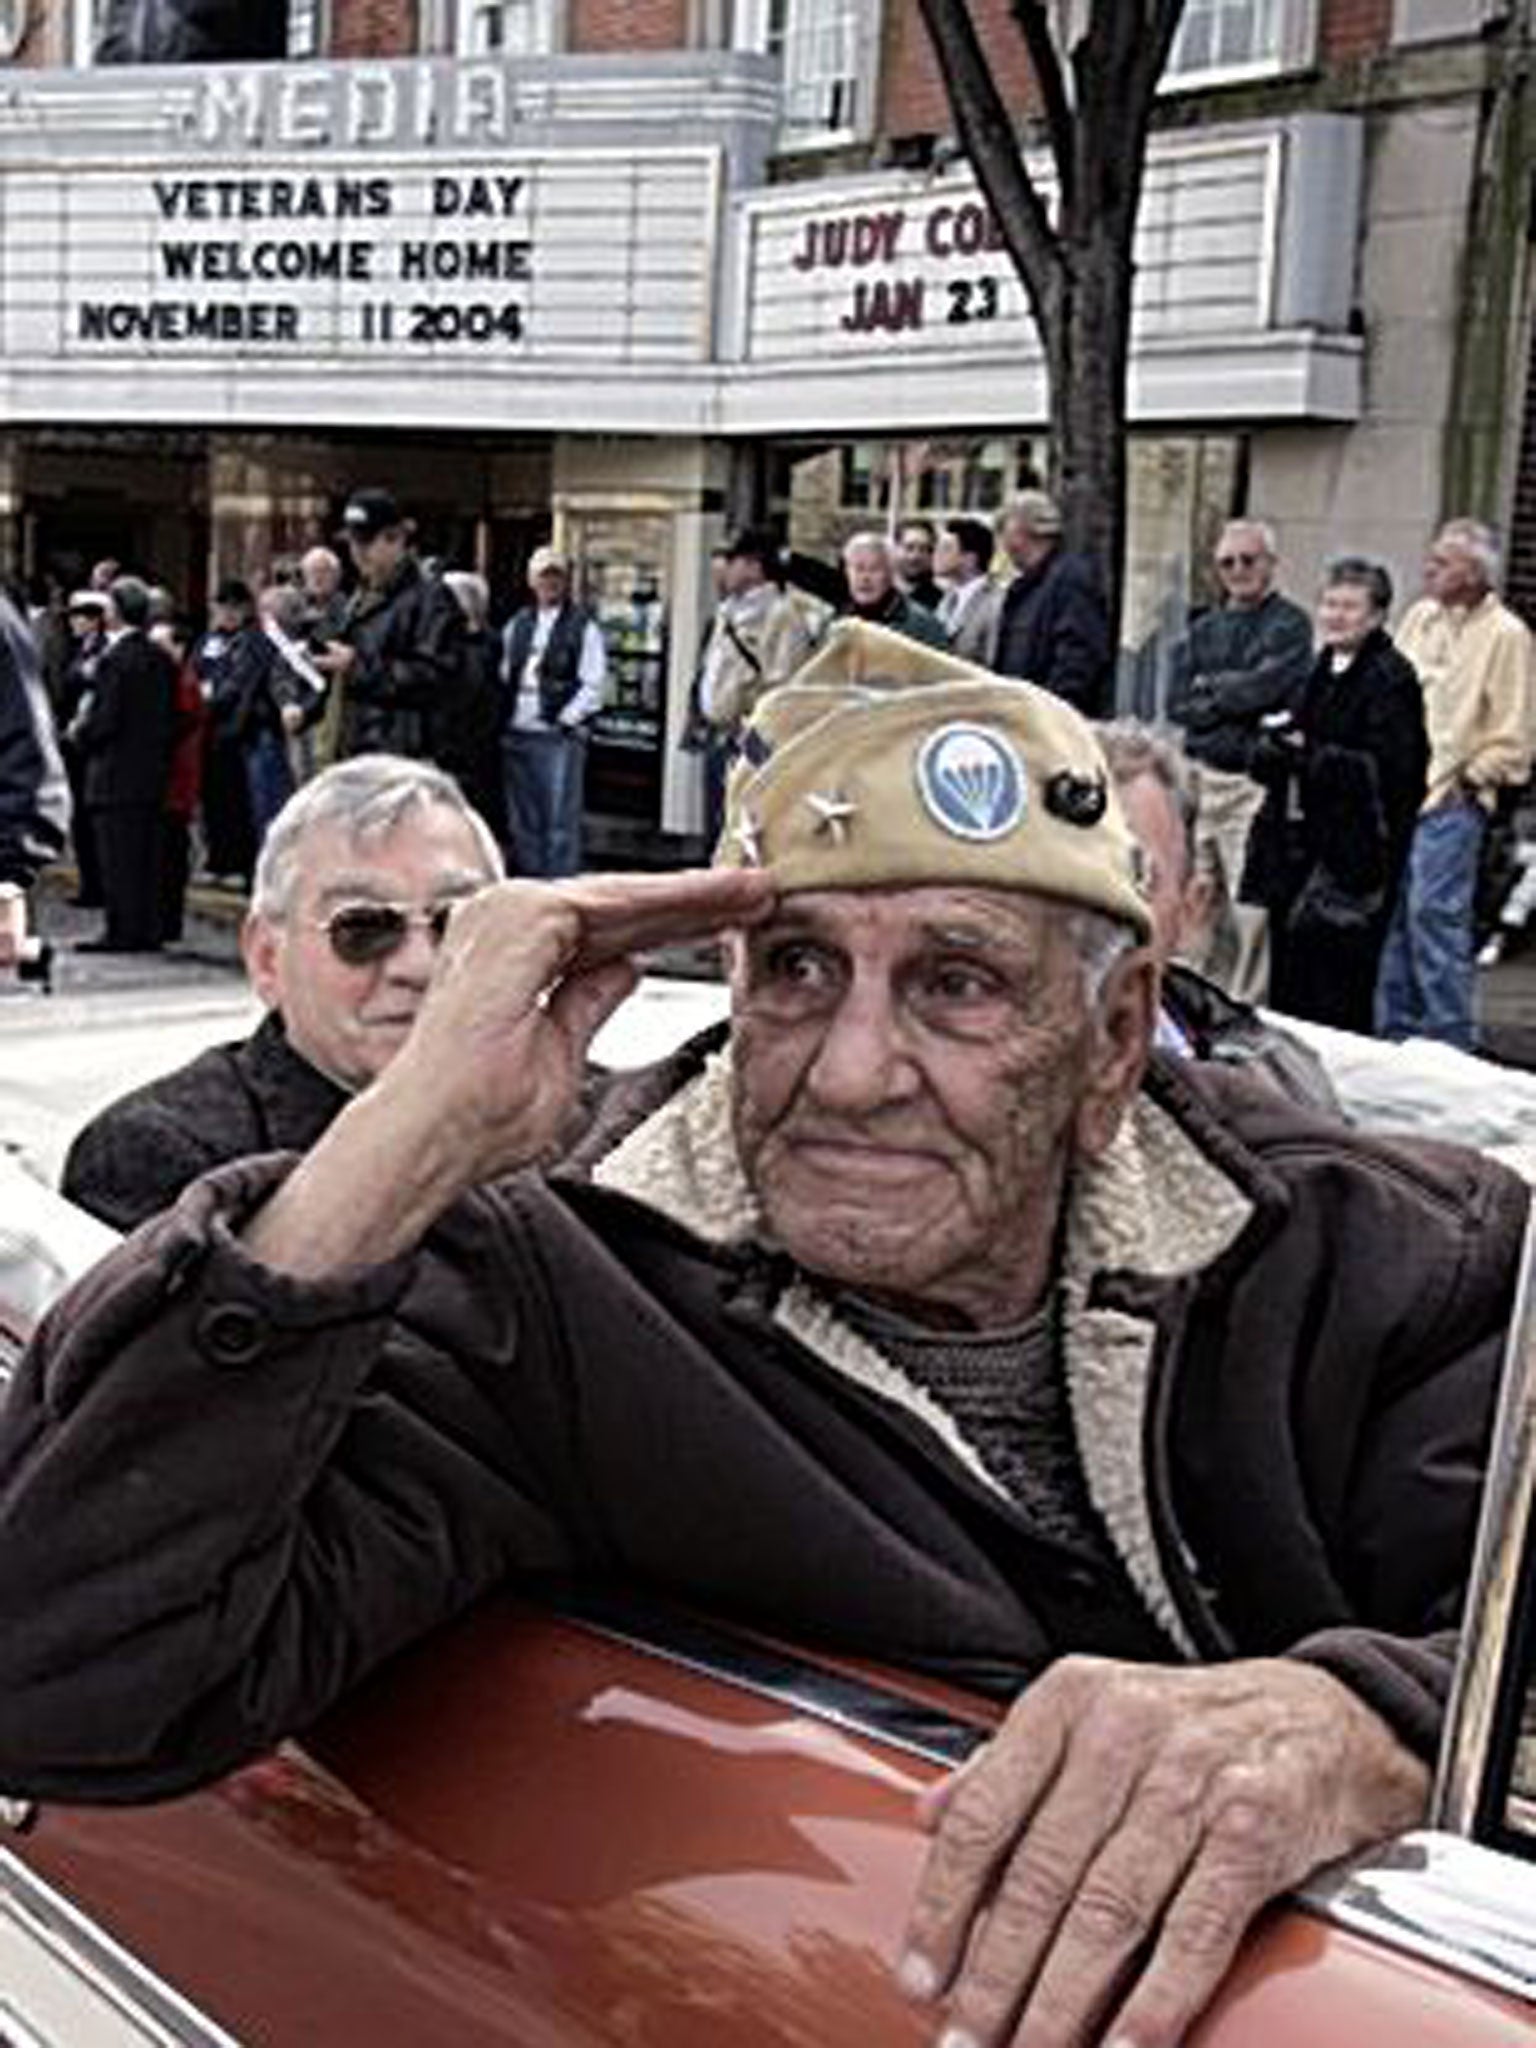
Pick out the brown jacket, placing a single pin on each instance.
(226, 1494)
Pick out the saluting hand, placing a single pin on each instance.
(489, 1075)
(527, 975)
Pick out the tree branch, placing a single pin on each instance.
(1034, 25)
(1154, 46)
(987, 135)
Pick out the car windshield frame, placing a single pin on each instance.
(1497, 1659)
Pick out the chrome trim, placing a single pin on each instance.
(1504, 1528)
(104, 1967)
(1445, 1900)
(876, 1712)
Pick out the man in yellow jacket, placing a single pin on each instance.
(1474, 659)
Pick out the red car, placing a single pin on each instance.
(602, 1823)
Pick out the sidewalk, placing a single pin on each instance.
(208, 955)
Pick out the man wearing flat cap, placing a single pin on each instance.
(398, 668)
(918, 1310)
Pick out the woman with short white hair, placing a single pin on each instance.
(1345, 773)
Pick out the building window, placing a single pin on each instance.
(306, 28)
(87, 19)
(308, 22)
(817, 42)
(826, 50)
(1222, 39)
(505, 28)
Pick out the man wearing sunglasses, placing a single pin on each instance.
(1241, 661)
(358, 876)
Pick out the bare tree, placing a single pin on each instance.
(1074, 259)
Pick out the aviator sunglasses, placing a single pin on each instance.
(362, 934)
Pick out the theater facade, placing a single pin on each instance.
(573, 295)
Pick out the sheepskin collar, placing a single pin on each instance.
(1155, 1204)
(1158, 1205)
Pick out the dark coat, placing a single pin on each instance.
(898, 611)
(409, 674)
(34, 796)
(1053, 629)
(128, 730)
(599, 1373)
(1238, 664)
(239, 672)
(467, 735)
(1336, 826)
(134, 1158)
(1214, 1026)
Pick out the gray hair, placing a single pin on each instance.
(367, 798)
(1134, 749)
(130, 598)
(1100, 940)
(872, 543)
(1261, 527)
(1479, 543)
(473, 594)
(1036, 511)
(1361, 572)
(285, 603)
(320, 554)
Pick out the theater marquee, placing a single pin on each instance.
(286, 227)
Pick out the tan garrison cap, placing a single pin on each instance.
(884, 762)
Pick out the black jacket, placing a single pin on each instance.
(134, 1158)
(34, 795)
(1053, 629)
(897, 610)
(1356, 778)
(409, 674)
(1280, 1419)
(466, 741)
(1214, 1026)
(239, 673)
(129, 726)
(1237, 664)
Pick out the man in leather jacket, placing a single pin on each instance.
(399, 661)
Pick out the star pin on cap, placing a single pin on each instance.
(884, 763)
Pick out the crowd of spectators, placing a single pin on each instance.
(1344, 783)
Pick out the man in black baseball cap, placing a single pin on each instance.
(398, 662)
(370, 513)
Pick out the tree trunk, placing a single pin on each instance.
(1077, 270)
(1088, 387)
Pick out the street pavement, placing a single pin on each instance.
(111, 1022)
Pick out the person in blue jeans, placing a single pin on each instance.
(554, 671)
(1474, 661)
(1425, 985)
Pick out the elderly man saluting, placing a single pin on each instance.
(912, 1311)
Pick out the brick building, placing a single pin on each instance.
(634, 268)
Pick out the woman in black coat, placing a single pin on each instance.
(1346, 774)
